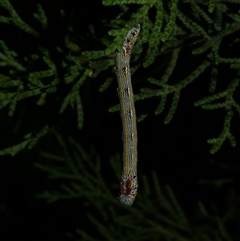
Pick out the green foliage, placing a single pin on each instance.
(36, 74)
(105, 85)
(165, 33)
(211, 6)
(73, 98)
(168, 89)
(41, 17)
(228, 105)
(7, 57)
(16, 19)
(168, 31)
(170, 22)
(30, 141)
(156, 213)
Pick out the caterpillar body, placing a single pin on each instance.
(128, 181)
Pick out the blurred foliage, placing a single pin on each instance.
(156, 214)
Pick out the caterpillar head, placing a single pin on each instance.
(131, 38)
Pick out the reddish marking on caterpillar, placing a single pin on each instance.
(126, 186)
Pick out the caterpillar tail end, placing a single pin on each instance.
(126, 199)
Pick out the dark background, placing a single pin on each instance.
(178, 152)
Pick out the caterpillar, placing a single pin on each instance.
(128, 181)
